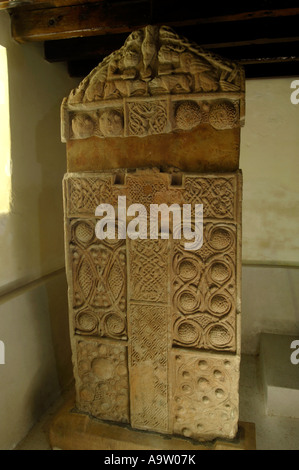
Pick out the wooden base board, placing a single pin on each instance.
(72, 430)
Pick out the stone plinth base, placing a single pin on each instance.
(72, 430)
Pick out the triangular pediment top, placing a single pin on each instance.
(156, 83)
(156, 61)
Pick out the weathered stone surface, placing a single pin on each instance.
(156, 300)
(155, 326)
(74, 430)
(152, 116)
(102, 379)
(200, 150)
(205, 399)
(159, 90)
(156, 83)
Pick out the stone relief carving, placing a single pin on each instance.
(216, 194)
(203, 289)
(149, 386)
(153, 64)
(223, 115)
(155, 53)
(111, 123)
(148, 265)
(85, 194)
(153, 323)
(188, 115)
(102, 378)
(83, 126)
(205, 395)
(147, 117)
(99, 282)
(149, 319)
(146, 188)
(155, 327)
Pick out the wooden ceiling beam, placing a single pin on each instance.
(271, 69)
(260, 34)
(6, 4)
(64, 50)
(255, 32)
(112, 18)
(39, 4)
(79, 21)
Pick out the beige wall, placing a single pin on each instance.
(31, 318)
(32, 233)
(270, 162)
(270, 303)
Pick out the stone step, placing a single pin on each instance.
(279, 375)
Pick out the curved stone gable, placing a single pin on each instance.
(156, 83)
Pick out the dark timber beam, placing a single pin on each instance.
(229, 35)
(262, 35)
(79, 21)
(100, 18)
(38, 4)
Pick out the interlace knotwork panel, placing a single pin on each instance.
(153, 324)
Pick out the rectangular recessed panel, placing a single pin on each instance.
(148, 363)
(98, 282)
(205, 402)
(204, 290)
(149, 342)
(102, 379)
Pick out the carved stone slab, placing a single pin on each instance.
(204, 291)
(157, 83)
(155, 327)
(99, 282)
(205, 398)
(149, 363)
(102, 379)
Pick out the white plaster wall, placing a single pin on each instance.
(29, 379)
(270, 163)
(270, 303)
(33, 302)
(31, 234)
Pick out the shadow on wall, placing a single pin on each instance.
(58, 310)
(52, 164)
(51, 229)
(270, 300)
(29, 381)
